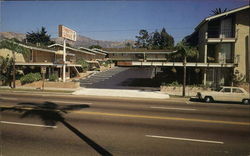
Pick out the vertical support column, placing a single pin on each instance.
(205, 77)
(155, 71)
(49, 70)
(64, 60)
(68, 71)
(205, 60)
(205, 53)
(14, 69)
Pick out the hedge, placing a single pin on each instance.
(31, 77)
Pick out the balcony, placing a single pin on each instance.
(216, 36)
(223, 60)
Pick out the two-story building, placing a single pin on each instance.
(51, 58)
(99, 54)
(78, 53)
(224, 39)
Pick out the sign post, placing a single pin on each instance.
(65, 33)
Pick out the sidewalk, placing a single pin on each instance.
(121, 93)
(34, 89)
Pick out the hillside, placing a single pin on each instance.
(81, 40)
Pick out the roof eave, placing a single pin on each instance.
(220, 15)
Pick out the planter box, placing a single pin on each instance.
(177, 90)
(38, 84)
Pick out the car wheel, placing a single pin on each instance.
(208, 99)
(246, 101)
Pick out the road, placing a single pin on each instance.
(31, 125)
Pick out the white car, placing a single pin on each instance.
(232, 94)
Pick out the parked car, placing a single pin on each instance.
(232, 94)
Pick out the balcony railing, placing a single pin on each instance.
(218, 34)
(223, 60)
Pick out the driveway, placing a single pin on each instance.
(115, 78)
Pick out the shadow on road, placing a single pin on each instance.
(217, 102)
(51, 113)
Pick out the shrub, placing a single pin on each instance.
(31, 77)
(174, 84)
(84, 64)
(97, 69)
(53, 77)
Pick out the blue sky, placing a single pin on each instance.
(110, 20)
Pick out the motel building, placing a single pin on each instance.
(54, 60)
(51, 59)
(223, 45)
(222, 41)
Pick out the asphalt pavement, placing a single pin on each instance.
(39, 125)
(114, 78)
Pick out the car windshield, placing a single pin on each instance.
(218, 89)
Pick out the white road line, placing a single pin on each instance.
(185, 139)
(27, 124)
(174, 108)
(3, 98)
(70, 102)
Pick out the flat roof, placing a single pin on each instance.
(94, 51)
(141, 52)
(44, 64)
(100, 50)
(70, 48)
(180, 64)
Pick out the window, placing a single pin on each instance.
(226, 90)
(235, 90)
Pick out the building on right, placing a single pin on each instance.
(224, 39)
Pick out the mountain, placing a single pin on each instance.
(10, 35)
(81, 40)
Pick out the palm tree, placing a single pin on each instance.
(15, 48)
(185, 51)
(217, 11)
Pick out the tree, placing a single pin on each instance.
(5, 69)
(15, 48)
(68, 45)
(142, 39)
(185, 51)
(167, 41)
(156, 40)
(39, 37)
(217, 11)
(95, 46)
(128, 45)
